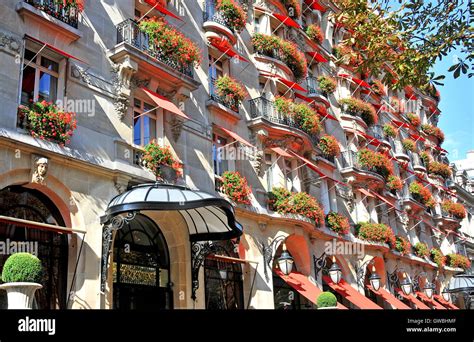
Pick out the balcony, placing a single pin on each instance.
(312, 86)
(377, 132)
(49, 13)
(136, 52)
(418, 163)
(264, 115)
(268, 60)
(223, 106)
(399, 151)
(362, 174)
(410, 202)
(446, 220)
(215, 24)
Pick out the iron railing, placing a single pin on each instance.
(261, 107)
(312, 85)
(211, 13)
(377, 132)
(129, 32)
(66, 14)
(417, 160)
(230, 103)
(350, 159)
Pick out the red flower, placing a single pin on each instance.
(235, 186)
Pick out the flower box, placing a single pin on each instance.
(314, 33)
(402, 245)
(356, 107)
(421, 194)
(437, 257)
(439, 169)
(421, 250)
(234, 15)
(303, 115)
(329, 146)
(375, 162)
(327, 85)
(161, 162)
(458, 260)
(235, 187)
(455, 209)
(433, 131)
(375, 232)
(338, 223)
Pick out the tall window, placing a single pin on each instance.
(40, 78)
(289, 175)
(144, 122)
(216, 70)
(269, 171)
(218, 156)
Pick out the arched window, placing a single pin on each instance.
(32, 205)
(141, 267)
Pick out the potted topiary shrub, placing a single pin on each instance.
(326, 300)
(21, 274)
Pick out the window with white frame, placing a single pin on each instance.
(145, 125)
(219, 155)
(40, 77)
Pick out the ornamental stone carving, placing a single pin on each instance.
(122, 82)
(10, 43)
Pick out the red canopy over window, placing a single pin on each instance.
(389, 298)
(224, 46)
(55, 49)
(351, 294)
(286, 20)
(291, 84)
(281, 152)
(418, 303)
(157, 5)
(164, 103)
(234, 135)
(315, 168)
(317, 56)
(425, 298)
(445, 303)
(401, 124)
(315, 5)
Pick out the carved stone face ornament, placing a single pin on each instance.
(40, 170)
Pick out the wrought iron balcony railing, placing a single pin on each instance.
(261, 107)
(312, 85)
(377, 132)
(66, 14)
(232, 104)
(211, 13)
(350, 159)
(129, 32)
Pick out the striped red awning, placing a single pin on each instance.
(291, 84)
(355, 80)
(317, 56)
(418, 303)
(425, 298)
(371, 140)
(160, 8)
(224, 46)
(286, 20)
(389, 298)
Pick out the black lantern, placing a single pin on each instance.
(374, 279)
(405, 284)
(285, 261)
(335, 272)
(446, 295)
(429, 288)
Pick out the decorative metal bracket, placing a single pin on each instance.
(319, 264)
(268, 252)
(116, 223)
(199, 253)
(416, 280)
(361, 271)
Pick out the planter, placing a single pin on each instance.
(168, 174)
(20, 295)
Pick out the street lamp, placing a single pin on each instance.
(335, 271)
(429, 288)
(285, 261)
(405, 284)
(374, 279)
(446, 295)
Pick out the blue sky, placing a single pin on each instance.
(457, 110)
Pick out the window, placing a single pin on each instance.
(144, 122)
(256, 24)
(40, 78)
(219, 159)
(216, 70)
(269, 171)
(289, 175)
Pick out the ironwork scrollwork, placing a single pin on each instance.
(319, 263)
(361, 271)
(116, 223)
(199, 252)
(268, 252)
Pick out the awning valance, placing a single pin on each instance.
(355, 80)
(208, 217)
(425, 298)
(303, 285)
(389, 298)
(448, 305)
(418, 303)
(164, 103)
(351, 294)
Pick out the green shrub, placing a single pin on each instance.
(22, 267)
(326, 299)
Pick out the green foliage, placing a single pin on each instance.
(326, 300)
(22, 267)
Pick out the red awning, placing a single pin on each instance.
(55, 49)
(445, 303)
(281, 152)
(156, 5)
(314, 5)
(224, 46)
(305, 98)
(39, 225)
(286, 20)
(401, 124)
(351, 294)
(389, 298)
(425, 298)
(372, 140)
(304, 287)
(164, 103)
(235, 136)
(417, 137)
(440, 149)
(386, 201)
(315, 168)
(317, 56)
(419, 304)
(291, 84)
(365, 192)
(355, 80)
